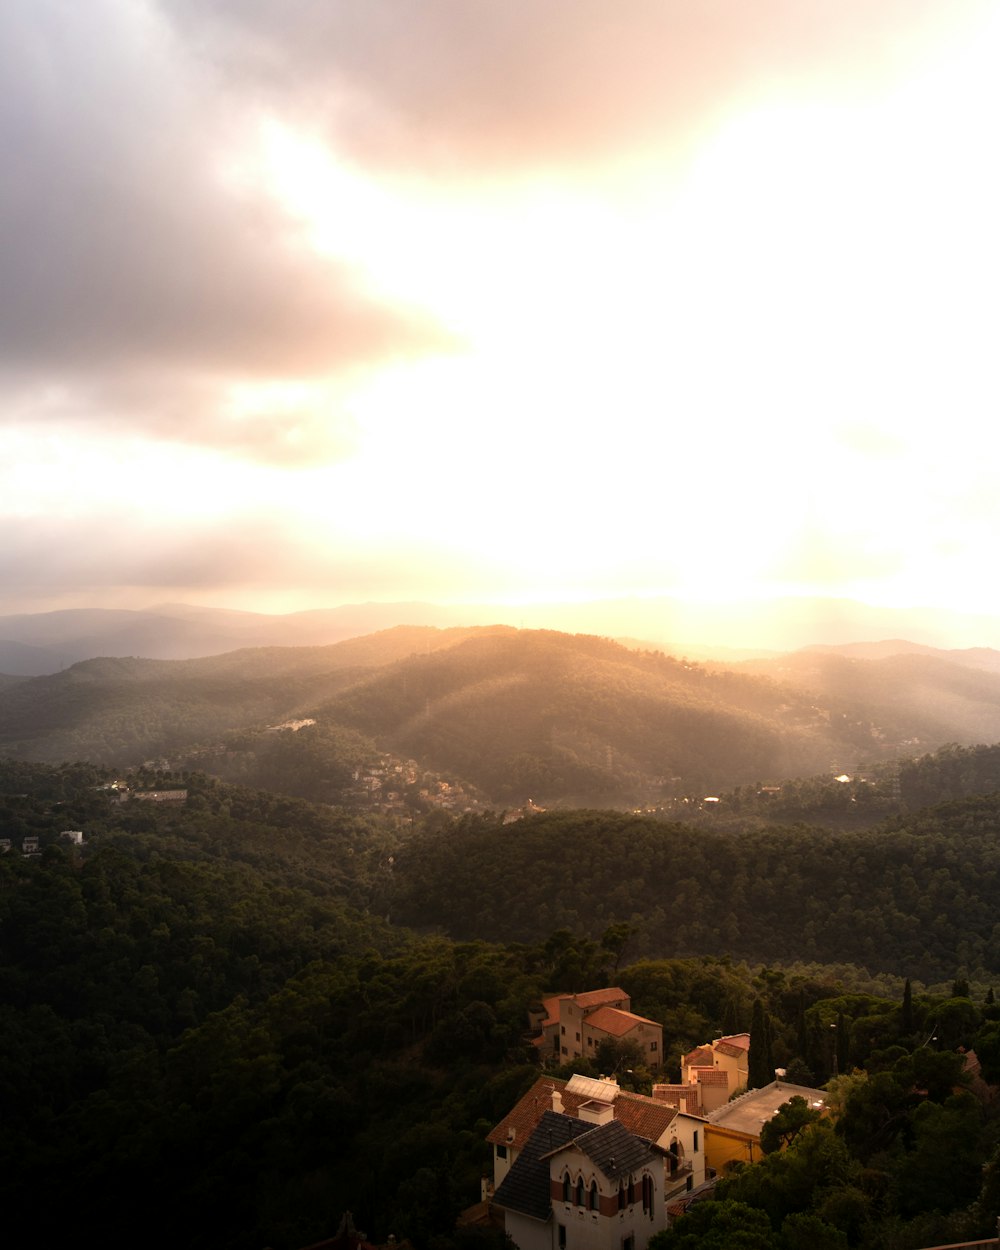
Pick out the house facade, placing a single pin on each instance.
(710, 1075)
(572, 1026)
(607, 1191)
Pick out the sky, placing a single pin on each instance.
(311, 303)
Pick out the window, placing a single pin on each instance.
(621, 1195)
(565, 1187)
(562, 1029)
(579, 1191)
(647, 1196)
(628, 1243)
(501, 1152)
(652, 1046)
(578, 1037)
(696, 1141)
(593, 1204)
(590, 1041)
(631, 1190)
(565, 1051)
(562, 1237)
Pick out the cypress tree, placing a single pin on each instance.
(907, 1021)
(843, 1043)
(759, 1072)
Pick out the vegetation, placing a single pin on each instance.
(274, 1011)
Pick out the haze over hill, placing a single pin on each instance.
(516, 714)
(32, 644)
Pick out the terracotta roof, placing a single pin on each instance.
(713, 1076)
(594, 998)
(524, 1116)
(644, 1116)
(648, 1117)
(700, 1057)
(612, 1020)
(676, 1095)
(738, 1041)
(551, 1005)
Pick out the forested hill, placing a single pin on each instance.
(571, 718)
(917, 896)
(558, 718)
(213, 1034)
(121, 711)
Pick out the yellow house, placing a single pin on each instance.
(732, 1134)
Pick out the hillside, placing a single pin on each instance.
(917, 896)
(123, 711)
(578, 719)
(515, 714)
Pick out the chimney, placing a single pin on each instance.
(557, 1104)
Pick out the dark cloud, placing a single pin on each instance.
(96, 557)
(517, 84)
(123, 243)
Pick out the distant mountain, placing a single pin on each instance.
(124, 710)
(40, 643)
(519, 714)
(579, 719)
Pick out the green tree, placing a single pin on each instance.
(787, 1123)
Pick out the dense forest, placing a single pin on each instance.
(227, 1022)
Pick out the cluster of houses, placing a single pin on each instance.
(31, 845)
(582, 1164)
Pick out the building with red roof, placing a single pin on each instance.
(572, 1026)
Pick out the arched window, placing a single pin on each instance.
(593, 1196)
(647, 1195)
(579, 1191)
(631, 1189)
(621, 1195)
(565, 1187)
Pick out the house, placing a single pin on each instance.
(572, 1026)
(732, 1133)
(178, 797)
(640, 1138)
(714, 1071)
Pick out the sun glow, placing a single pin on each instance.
(678, 375)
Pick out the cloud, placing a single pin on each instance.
(129, 249)
(474, 86)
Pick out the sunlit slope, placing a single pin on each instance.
(121, 711)
(547, 715)
(924, 698)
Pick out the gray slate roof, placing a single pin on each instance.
(614, 1150)
(610, 1147)
(525, 1188)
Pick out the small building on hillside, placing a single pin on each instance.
(572, 1026)
(733, 1131)
(647, 1157)
(714, 1071)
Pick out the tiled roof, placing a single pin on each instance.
(527, 1111)
(676, 1095)
(525, 1188)
(612, 1149)
(644, 1116)
(700, 1057)
(551, 1005)
(612, 1020)
(734, 1043)
(713, 1076)
(594, 998)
